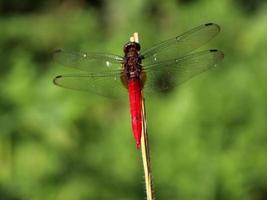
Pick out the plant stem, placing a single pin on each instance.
(146, 155)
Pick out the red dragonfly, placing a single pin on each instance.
(158, 68)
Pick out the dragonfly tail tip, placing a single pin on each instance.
(138, 145)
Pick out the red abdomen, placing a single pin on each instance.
(134, 89)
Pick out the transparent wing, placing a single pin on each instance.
(180, 45)
(167, 74)
(89, 62)
(108, 84)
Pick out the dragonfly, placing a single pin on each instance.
(155, 69)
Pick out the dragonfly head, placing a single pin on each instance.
(131, 46)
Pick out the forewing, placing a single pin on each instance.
(108, 84)
(167, 74)
(90, 62)
(181, 45)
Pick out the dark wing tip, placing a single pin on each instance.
(213, 24)
(56, 78)
(213, 50)
(57, 50)
(55, 53)
(209, 24)
(220, 54)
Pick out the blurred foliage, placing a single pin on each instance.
(208, 137)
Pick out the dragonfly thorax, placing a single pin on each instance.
(132, 60)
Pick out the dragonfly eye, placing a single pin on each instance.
(131, 45)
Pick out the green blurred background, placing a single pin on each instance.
(208, 137)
